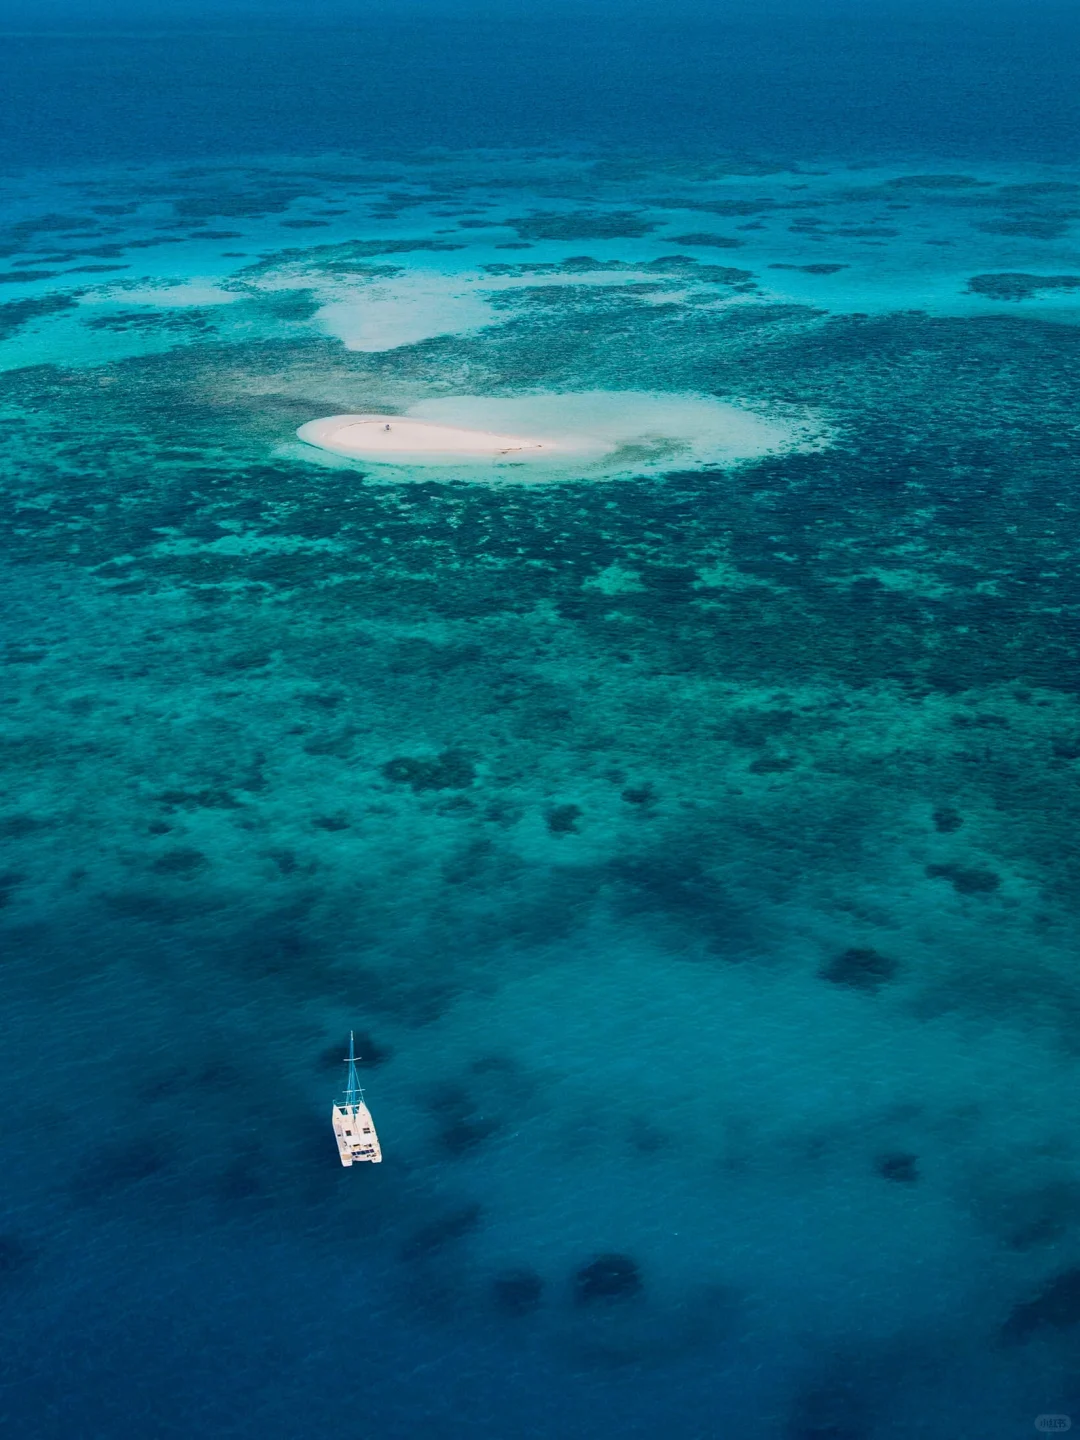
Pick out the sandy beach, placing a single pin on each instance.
(401, 439)
(559, 435)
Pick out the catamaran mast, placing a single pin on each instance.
(354, 1095)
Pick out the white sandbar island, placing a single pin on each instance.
(402, 440)
(543, 436)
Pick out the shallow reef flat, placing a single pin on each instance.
(96, 265)
(692, 848)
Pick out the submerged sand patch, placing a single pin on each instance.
(549, 436)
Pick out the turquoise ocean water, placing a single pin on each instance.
(694, 852)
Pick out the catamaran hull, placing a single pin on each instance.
(354, 1131)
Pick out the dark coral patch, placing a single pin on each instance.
(9, 882)
(463, 1125)
(1055, 1307)
(1041, 1216)
(771, 765)
(946, 819)
(181, 861)
(859, 968)
(439, 1233)
(935, 182)
(583, 225)
(562, 819)
(965, 880)
(982, 722)
(899, 1165)
(18, 827)
(25, 277)
(451, 770)
(707, 238)
(641, 795)
(608, 1277)
(1034, 224)
(1015, 285)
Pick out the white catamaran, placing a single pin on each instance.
(354, 1128)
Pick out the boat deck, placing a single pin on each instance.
(354, 1131)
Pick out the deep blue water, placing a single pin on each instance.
(987, 81)
(690, 841)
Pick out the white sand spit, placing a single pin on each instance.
(550, 436)
(418, 442)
